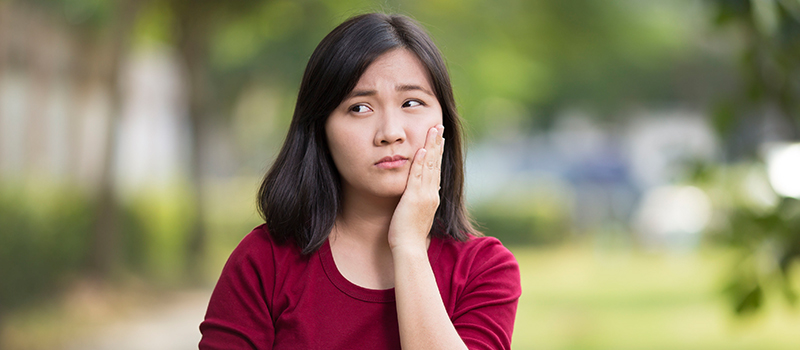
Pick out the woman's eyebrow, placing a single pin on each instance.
(409, 87)
(359, 93)
(400, 88)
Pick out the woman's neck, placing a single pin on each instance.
(359, 242)
(365, 219)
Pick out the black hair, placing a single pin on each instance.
(300, 195)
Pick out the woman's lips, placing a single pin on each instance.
(391, 162)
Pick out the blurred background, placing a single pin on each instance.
(640, 158)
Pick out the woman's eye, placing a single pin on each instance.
(412, 103)
(359, 109)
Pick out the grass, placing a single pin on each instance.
(582, 298)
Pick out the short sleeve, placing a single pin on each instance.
(238, 315)
(485, 311)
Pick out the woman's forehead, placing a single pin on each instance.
(398, 69)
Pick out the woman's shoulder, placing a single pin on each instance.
(260, 244)
(480, 245)
(476, 254)
(481, 265)
(258, 240)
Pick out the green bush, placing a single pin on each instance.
(523, 222)
(47, 237)
(44, 240)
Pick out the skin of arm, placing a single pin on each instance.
(422, 318)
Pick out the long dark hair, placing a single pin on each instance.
(300, 197)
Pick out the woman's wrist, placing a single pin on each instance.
(410, 249)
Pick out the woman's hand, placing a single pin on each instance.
(413, 217)
(421, 316)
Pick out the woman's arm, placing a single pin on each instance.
(422, 318)
(487, 279)
(238, 316)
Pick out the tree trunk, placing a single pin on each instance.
(105, 245)
(193, 19)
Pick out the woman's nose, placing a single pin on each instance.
(390, 129)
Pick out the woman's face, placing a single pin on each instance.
(376, 130)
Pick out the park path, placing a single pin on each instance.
(169, 326)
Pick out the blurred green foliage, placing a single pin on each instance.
(760, 226)
(155, 233)
(767, 233)
(540, 218)
(770, 251)
(536, 55)
(769, 61)
(44, 238)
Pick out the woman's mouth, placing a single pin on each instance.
(391, 162)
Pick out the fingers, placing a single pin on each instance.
(440, 145)
(433, 159)
(417, 165)
(427, 163)
(430, 146)
(437, 155)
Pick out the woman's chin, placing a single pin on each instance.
(392, 194)
(390, 191)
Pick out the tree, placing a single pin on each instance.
(770, 69)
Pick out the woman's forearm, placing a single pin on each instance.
(422, 318)
(421, 315)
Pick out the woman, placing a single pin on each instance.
(362, 248)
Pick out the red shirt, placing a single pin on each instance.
(269, 296)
